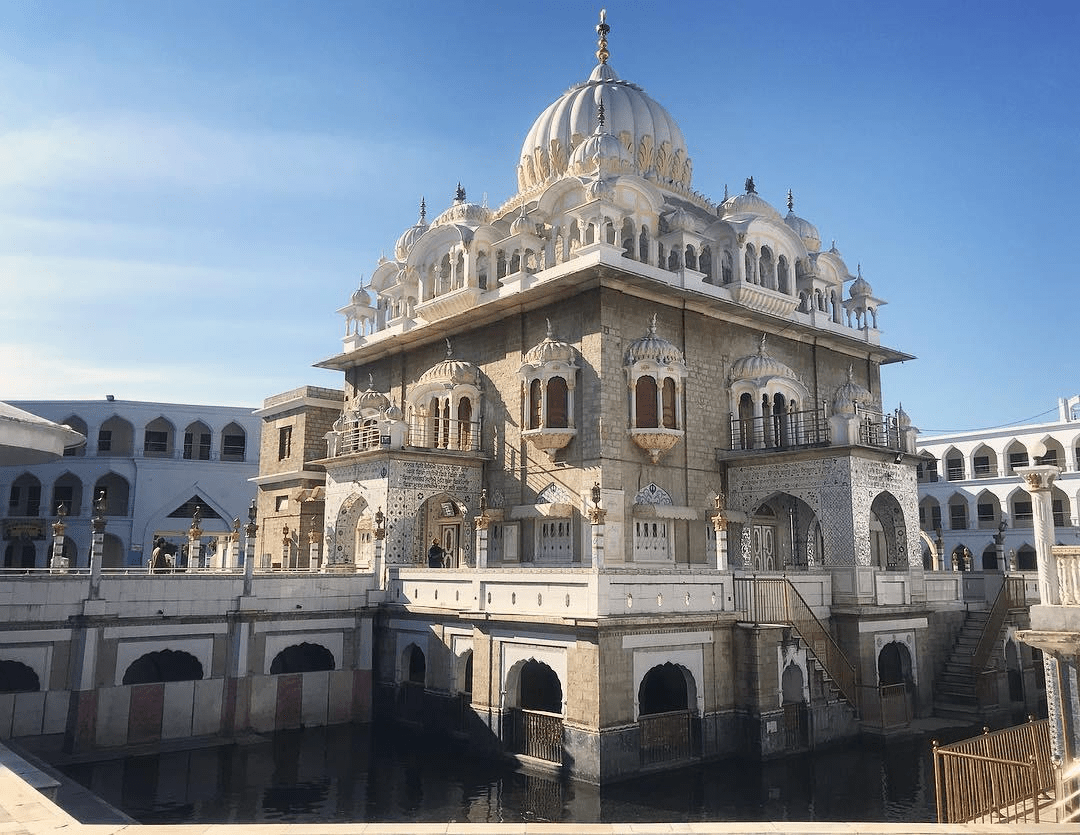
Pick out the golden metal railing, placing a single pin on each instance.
(1009, 596)
(775, 600)
(997, 777)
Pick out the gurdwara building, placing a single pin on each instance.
(617, 455)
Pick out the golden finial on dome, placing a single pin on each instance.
(602, 30)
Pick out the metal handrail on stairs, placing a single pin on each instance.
(1010, 596)
(776, 600)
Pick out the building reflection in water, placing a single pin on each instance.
(352, 773)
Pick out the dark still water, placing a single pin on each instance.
(354, 773)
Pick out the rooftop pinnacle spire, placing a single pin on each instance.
(602, 30)
(790, 201)
(423, 210)
(600, 113)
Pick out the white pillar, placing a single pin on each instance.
(1038, 481)
(313, 550)
(596, 518)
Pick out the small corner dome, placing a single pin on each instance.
(550, 350)
(654, 348)
(453, 371)
(408, 239)
(805, 230)
(759, 366)
(850, 395)
(600, 150)
(571, 120)
(750, 203)
(861, 287)
(902, 418)
(371, 401)
(360, 298)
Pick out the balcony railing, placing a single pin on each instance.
(877, 429)
(789, 430)
(462, 435)
(537, 734)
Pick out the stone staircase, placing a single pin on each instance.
(955, 695)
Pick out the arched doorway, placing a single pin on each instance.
(412, 682)
(888, 534)
(792, 692)
(163, 665)
(16, 677)
(302, 658)
(536, 722)
(784, 535)
(444, 518)
(666, 706)
(896, 684)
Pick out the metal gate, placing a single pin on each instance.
(665, 737)
(536, 733)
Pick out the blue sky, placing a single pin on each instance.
(188, 191)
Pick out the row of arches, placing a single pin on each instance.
(989, 510)
(986, 461)
(167, 665)
(26, 493)
(115, 437)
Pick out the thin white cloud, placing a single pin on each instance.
(137, 150)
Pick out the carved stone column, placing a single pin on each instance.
(313, 550)
(720, 526)
(1039, 481)
(380, 546)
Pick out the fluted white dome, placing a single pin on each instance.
(750, 203)
(655, 142)
(849, 395)
(805, 230)
(653, 347)
(759, 366)
(550, 350)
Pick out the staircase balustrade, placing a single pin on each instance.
(776, 600)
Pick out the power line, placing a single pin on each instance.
(987, 428)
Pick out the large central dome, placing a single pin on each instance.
(643, 126)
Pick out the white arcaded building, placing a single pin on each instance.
(155, 462)
(970, 495)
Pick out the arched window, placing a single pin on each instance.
(67, 491)
(690, 258)
(158, 439)
(628, 238)
(115, 488)
(746, 421)
(783, 272)
(705, 264)
(16, 677)
(417, 670)
(233, 443)
(500, 265)
(643, 245)
(536, 404)
(670, 421)
(116, 437)
(645, 400)
(24, 499)
(197, 442)
(79, 425)
(465, 425)
(750, 263)
(729, 267)
(557, 417)
(673, 260)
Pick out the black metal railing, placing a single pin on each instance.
(785, 430)
(665, 737)
(537, 734)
